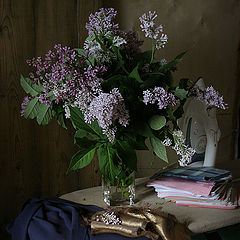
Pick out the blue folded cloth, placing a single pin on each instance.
(195, 173)
(56, 219)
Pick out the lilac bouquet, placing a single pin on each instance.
(115, 96)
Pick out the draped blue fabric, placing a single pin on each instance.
(56, 219)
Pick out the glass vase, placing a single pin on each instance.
(121, 193)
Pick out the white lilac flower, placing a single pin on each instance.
(67, 111)
(181, 149)
(82, 99)
(110, 132)
(179, 134)
(148, 97)
(107, 108)
(118, 41)
(162, 41)
(159, 96)
(109, 218)
(167, 142)
(94, 49)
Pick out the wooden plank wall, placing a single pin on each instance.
(34, 159)
(236, 120)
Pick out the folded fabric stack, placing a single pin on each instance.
(196, 186)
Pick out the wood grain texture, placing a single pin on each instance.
(84, 9)
(236, 119)
(34, 159)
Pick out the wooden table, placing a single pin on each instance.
(199, 220)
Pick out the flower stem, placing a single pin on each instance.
(125, 70)
(153, 51)
(122, 191)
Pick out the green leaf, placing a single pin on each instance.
(78, 122)
(51, 96)
(171, 65)
(179, 57)
(91, 60)
(153, 75)
(107, 166)
(82, 158)
(156, 122)
(178, 112)
(114, 81)
(134, 74)
(81, 52)
(180, 93)
(170, 113)
(159, 149)
(169, 79)
(143, 57)
(100, 41)
(45, 114)
(30, 87)
(84, 142)
(114, 78)
(136, 142)
(183, 83)
(31, 110)
(80, 133)
(127, 154)
(144, 130)
(61, 120)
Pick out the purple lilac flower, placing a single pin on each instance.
(44, 100)
(148, 26)
(91, 79)
(89, 87)
(101, 23)
(209, 96)
(25, 102)
(106, 109)
(67, 78)
(160, 96)
(133, 43)
(163, 61)
(52, 72)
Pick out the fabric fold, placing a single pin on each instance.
(136, 222)
(48, 219)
